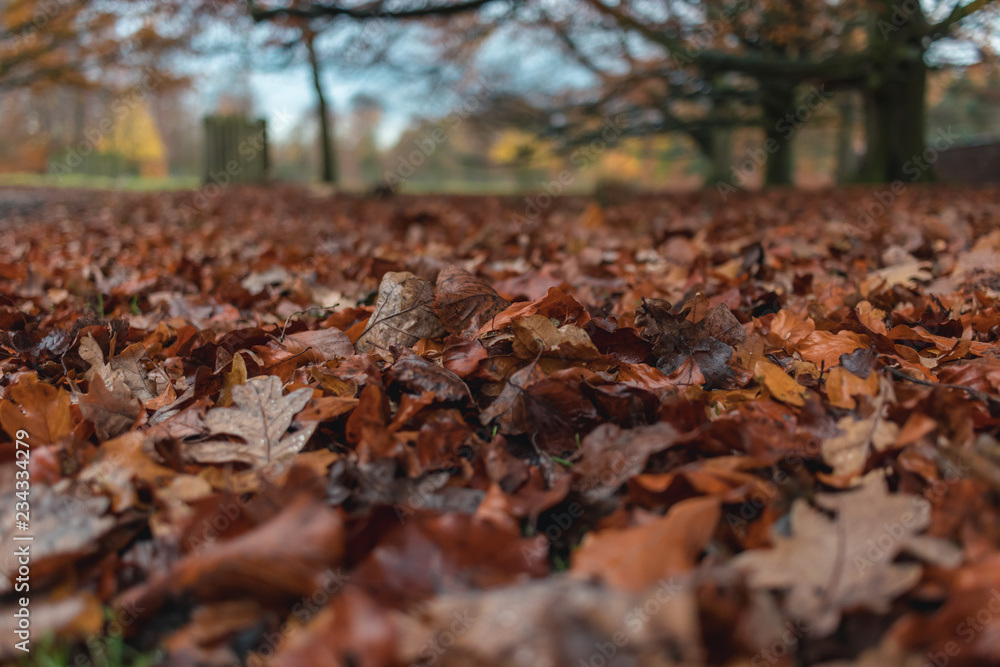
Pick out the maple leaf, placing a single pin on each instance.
(832, 565)
(261, 417)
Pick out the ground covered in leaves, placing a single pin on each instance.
(271, 428)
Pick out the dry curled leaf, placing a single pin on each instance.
(402, 315)
(112, 410)
(125, 367)
(465, 302)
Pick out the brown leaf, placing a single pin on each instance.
(292, 554)
(509, 407)
(416, 375)
(485, 628)
(39, 409)
(556, 304)
(848, 452)
(462, 356)
(402, 316)
(323, 343)
(780, 384)
(536, 335)
(112, 411)
(829, 566)
(610, 456)
(824, 348)
(465, 302)
(635, 558)
(234, 378)
(125, 367)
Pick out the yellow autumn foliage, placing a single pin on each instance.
(135, 136)
(523, 149)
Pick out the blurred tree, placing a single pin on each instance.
(879, 47)
(137, 139)
(90, 43)
(297, 28)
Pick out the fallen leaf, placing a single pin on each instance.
(235, 377)
(635, 558)
(780, 384)
(124, 367)
(261, 418)
(536, 335)
(465, 302)
(832, 565)
(112, 411)
(402, 315)
(323, 344)
(848, 452)
(38, 409)
(415, 374)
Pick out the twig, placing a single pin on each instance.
(302, 312)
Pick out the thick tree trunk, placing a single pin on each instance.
(846, 160)
(716, 146)
(780, 124)
(328, 168)
(895, 126)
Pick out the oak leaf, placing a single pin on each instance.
(832, 565)
(261, 417)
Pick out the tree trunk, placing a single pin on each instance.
(895, 119)
(716, 146)
(846, 162)
(328, 168)
(777, 102)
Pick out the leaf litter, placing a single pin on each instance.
(717, 434)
